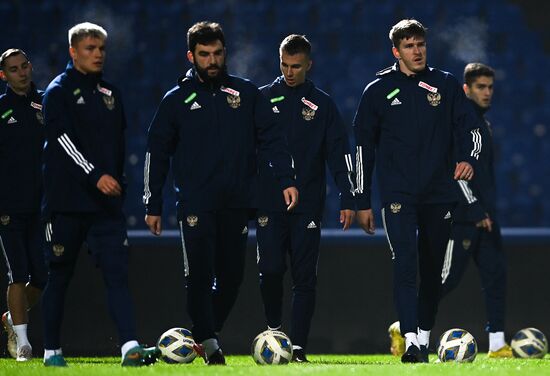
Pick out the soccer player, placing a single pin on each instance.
(84, 191)
(316, 135)
(21, 235)
(407, 118)
(211, 126)
(476, 232)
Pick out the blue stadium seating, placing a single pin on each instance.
(148, 46)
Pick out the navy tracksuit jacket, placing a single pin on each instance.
(407, 125)
(478, 199)
(85, 126)
(213, 136)
(316, 136)
(21, 143)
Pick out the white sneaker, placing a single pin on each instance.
(12, 337)
(24, 353)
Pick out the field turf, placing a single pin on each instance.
(320, 365)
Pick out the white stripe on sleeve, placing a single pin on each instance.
(467, 191)
(73, 152)
(476, 138)
(147, 189)
(349, 165)
(359, 169)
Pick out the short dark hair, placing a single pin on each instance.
(406, 29)
(295, 44)
(474, 70)
(204, 32)
(9, 53)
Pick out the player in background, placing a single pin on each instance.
(407, 118)
(84, 191)
(476, 232)
(316, 136)
(211, 126)
(21, 233)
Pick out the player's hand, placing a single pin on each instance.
(464, 171)
(154, 224)
(365, 219)
(108, 185)
(291, 198)
(486, 224)
(346, 218)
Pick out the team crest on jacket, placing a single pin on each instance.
(5, 220)
(262, 221)
(233, 97)
(308, 113)
(234, 101)
(109, 102)
(395, 207)
(58, 250)
(466, 243)
(192, 220)
(40, 117)
(434, 99)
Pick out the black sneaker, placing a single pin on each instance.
(216, 359)
(415, 355)
(424, 354)
(299, 356)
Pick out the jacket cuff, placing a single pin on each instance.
(362, 202)
(94, 176)
(347, 203)
(286, 182)
(153, 209)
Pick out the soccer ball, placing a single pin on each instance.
(457, 345)
(272, 347)
(176, 346)
(529, 343)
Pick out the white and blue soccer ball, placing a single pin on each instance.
(272, 347)
(177, 346)
(529, 343)
(457, 345)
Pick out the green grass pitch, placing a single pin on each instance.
(320, 365)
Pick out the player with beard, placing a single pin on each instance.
(212, 126)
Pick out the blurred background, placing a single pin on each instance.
(147, 46)
(146, 55)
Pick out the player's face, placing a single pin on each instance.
(481, 91)
(294, 68)
(17, 72)
(411, 54)
(208, 59)
(88, 55)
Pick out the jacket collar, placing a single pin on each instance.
(90, 79)
(192, 75)
(397, 70)
(303, 89)
(24, 98)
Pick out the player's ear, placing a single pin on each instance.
(72, 52)
(2, 76)
(190, 57)
(395, 52)
(466, 89)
